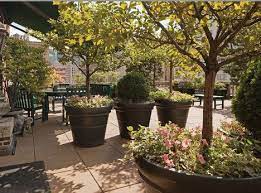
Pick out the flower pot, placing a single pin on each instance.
(172, 112)
(88, 125)
(220, 92)
(133, 114)
(158, 179)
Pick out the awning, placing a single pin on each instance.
(32, 15)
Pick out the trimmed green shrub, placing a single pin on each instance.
(133, 87)
(220, 86)
(247, 102)
(176, 96)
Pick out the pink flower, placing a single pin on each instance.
(185, 143)
(201, 159)
(204, 142)
(168, 143)
(163, 132)
(193, 133)
(177, 142)
(167, 161)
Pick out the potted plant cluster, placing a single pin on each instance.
(172, 106)
(133, 107)
(175, 160)
(88, 118)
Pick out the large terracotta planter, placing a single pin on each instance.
(158, 179)
(172, 112)
(132, 114)
(88, 125)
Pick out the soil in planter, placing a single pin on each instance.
(89, 126)
(133, 115)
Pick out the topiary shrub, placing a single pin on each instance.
(247, 102)
(133, 87)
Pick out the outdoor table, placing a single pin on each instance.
(51, 93)
(215, 99)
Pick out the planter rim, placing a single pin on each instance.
(168, 102)
(182, 173)
(119, 104)
(89, 108)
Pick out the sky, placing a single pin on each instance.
(15, 31)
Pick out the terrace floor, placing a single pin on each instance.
(71, 169)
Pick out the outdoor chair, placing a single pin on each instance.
(59, 87)
(197, 99)
(101, 89)
(22, 99)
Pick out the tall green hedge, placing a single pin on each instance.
(247, 102)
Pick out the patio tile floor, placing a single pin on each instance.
(72, 169)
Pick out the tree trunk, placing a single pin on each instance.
(207, 131)
(87, 81)
(170, 78)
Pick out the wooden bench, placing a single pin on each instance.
(200, 98)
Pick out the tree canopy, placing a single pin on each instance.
(211, 34)
(25, 65)
(81, 35)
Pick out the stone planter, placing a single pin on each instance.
(158, 179)
(172, 112)
(88, 125)
(132, 114)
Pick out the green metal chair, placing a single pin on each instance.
(22, 99)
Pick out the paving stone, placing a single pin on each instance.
(115, 174)
(136, 188)
(73, 181)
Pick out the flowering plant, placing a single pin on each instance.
(84, 102)
(165, 95)
(229, 155)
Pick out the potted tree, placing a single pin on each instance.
(133, 107)
(172, 106)
(80, 36)
(209, 34)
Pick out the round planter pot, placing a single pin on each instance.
(158, 179)
(173, 112)
(88, 125)
(134, 114)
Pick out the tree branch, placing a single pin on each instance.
(220, 25)
(205, 27)
(171, 39)
(82, 71)
(230, 34)
(239, 57)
